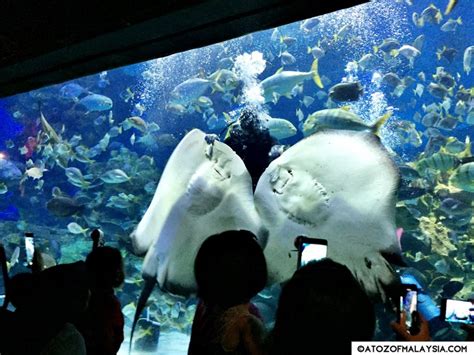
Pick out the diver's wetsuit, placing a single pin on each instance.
(252, 143)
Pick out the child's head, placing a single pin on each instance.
(230, 268)
(105, 267)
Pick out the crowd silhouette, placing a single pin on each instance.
(64, 309)
(72, 308)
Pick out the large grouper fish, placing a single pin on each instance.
(338, 185)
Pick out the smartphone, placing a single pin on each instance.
(4, 274)
(310, 249)
(457, 311)
(29, 248)
(409, 304)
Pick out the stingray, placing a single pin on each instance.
(181, 166)
(336, 185)
(205, 189)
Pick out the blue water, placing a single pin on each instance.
(145, 90)
(9, 213)
(10, 127)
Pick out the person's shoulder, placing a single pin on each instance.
(253, 323)
(113, 309)
(69, 330)
(249, 325)
(68, 341)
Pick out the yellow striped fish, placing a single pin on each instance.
(438, 161)
(463, 177)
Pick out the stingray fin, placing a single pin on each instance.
(150, 283)
(380, 122)
(227, 117)
(229, 131)
(316, 78)
(276, 96)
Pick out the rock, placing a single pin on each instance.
(438, 234)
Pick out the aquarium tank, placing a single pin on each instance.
(89, 153)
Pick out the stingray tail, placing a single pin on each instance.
(315, 74)
(150, 283)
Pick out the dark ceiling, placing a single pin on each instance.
(47, 42)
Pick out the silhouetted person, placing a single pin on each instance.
(43, 321)
(20, 293)
(322, 308)
(64, 296)
(20, 290)
(103, 322)
(230, 269)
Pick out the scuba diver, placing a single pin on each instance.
(252, 142)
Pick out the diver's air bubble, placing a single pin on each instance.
(248, 67)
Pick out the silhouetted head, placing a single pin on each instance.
(20, 289)
(322, 308)
(105, 267)
(62, 292)
(230, 268)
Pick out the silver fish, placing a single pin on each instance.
(95, 102)
(115, 176)
(75, 228)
